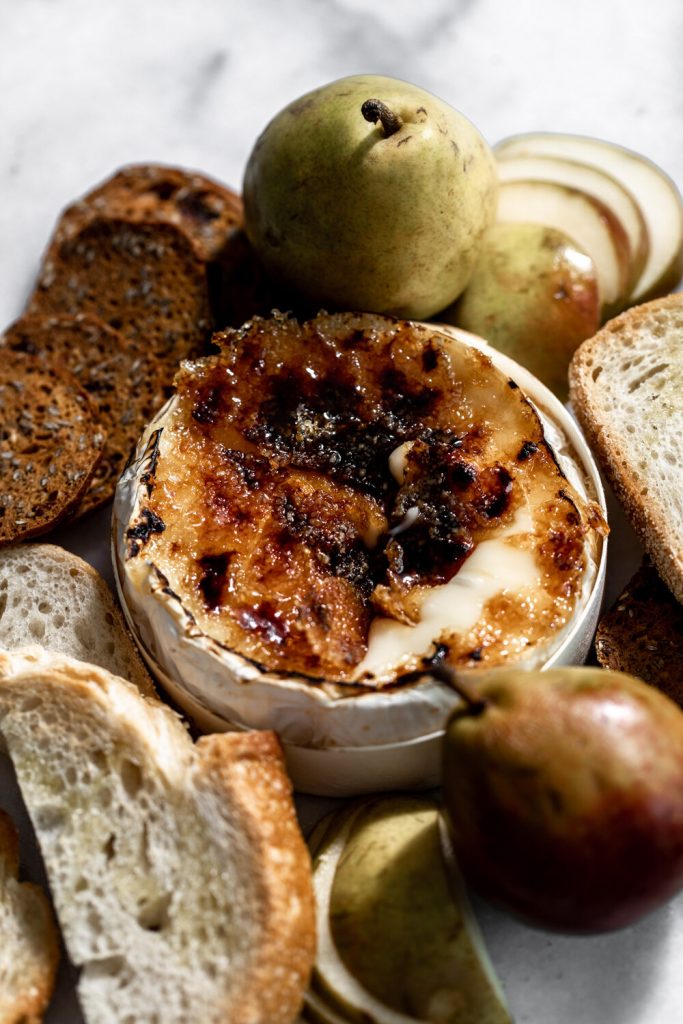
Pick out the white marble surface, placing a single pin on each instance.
(86, 87)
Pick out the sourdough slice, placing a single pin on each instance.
(626, 386)
(119, 374)
(642, 634)
(29, 943)
(51, 443)
(51, 597)
(179, 875)
(206, 211)
(144, 279)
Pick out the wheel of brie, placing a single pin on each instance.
(324, 511)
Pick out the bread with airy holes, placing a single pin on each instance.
(29, 942)
(179, 874)
(51, 597)
(626, 386)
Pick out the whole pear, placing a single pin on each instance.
(534, 296)
(563, 792)
(370, 194)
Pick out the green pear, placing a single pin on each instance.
(370, 194)
(534, 296)
(563, 792)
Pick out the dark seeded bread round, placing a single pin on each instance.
(642, 634)
(120, 375)
(145, 280)
(205, 210)
(50, 445)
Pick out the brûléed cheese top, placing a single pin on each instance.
(353, 498)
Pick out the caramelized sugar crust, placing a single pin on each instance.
(316, 476)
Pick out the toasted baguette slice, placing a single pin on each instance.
(626, 385)
(29, 943)
(642, 634)
(179, 874)
(53, 598)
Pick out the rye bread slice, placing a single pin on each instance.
(206, 211)
(626, 386)
(51, 442)
(144, 279)
(642, 634)
(120, 375)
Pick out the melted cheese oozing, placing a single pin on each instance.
(494, 567)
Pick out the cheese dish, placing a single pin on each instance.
(325, 510)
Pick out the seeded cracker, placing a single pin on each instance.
(145, 280)
(119, 374)
(643, 634)
(207, 212)
(50, 445)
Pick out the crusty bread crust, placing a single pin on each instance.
(227, 800)
(28, 958)
(251, 767)
(616, 382)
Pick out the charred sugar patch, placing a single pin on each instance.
(526, 451)
(430, 359)
(264, 619)
(335, 543)
(213, 579)
(151, 457)
(211, 401)
(497, 485)
(404, 403)
(513, 385)
(138, 535)
(251, 470)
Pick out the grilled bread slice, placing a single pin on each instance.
(179, 874)
(626, 385)
(29, 944)
(51, 597)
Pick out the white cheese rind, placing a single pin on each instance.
(328, 716)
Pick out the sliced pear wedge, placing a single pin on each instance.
(397, 940)
(585, 219)
(596, 182)
(658, 196)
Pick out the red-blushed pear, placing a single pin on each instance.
(534, 296)
(563, 792)
(370, 194)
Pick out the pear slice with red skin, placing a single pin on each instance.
(657, 195)
(596, 182)
(563, 791)
(586, 220)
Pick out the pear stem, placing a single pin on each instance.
(445, 674)
(375, 110)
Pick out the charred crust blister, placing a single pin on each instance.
(138, 535)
